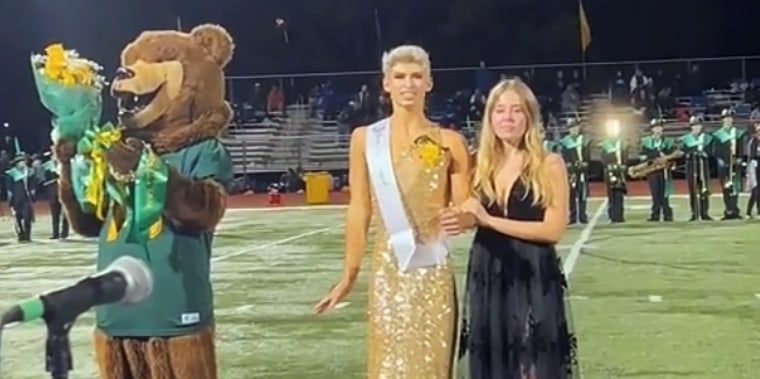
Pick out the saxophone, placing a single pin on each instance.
(658, 164)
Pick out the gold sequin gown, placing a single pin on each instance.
(412, 315)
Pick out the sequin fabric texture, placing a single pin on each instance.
(412, 315)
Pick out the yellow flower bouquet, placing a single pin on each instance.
(70, 87)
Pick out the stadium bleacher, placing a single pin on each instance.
(302, 140)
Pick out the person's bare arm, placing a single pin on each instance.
(359, 210)
(459, 174)
(459, 171)
(551, 229)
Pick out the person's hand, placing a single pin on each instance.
(473, 206)
(454, 221)
(337, 293)
(123, 157)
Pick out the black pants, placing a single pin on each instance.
(699, 190)
(578, 198)
(615, 204)
(730, 193)
(660, 202)
(60, 223)
(23, 227)
(754, 200)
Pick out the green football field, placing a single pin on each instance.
(650, 301)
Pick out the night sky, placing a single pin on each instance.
(340, 35)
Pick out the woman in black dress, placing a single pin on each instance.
(515, 324)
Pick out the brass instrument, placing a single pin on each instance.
(578, 164)
(658, 164)
(615, 172)
(700, 169)
(704, 190)
(731, 170)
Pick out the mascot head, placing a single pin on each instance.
(170, 86)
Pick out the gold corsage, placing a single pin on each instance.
(429, 152)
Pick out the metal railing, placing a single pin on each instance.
(252, 154)
(715, 72)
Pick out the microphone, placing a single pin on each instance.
(127, 280)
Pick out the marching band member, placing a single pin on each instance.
(21, 185)
(727, 147)
(696, 144)
(614, 157)
(60, 223)
(575, 150)
(657, 147)
(753, 171)
(549, 145)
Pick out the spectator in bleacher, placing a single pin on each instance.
(483, 79)
(754, 116)
(256, 98)
(554, 91)
(313, 99)
(383, 106)
(640, 87)
(577, 82)
(350, 117)
(571, 100)
(618, 90)
(752, 95)
(695, 81)
(275, 101)
(365, 104)
(476, 105)
(663, 93)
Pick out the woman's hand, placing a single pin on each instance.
(454, 221)
(473, 207)
(337, 293)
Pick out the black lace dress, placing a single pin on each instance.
(515, 322)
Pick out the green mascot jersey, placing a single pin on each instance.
(181, 301)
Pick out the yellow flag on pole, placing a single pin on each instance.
(585, 28)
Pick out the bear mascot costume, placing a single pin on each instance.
(170, 94)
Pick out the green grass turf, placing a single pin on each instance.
(270, 268)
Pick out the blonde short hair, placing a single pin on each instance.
(406, 54)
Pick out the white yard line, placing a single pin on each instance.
(575, 251)
(268, 245)
(339, 206)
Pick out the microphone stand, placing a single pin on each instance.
(58, 360)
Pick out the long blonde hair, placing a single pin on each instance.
(491, 150)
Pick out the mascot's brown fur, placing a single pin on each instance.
(181, 77)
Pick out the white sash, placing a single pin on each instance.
(409, 255)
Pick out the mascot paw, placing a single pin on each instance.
(64, 150)
(123, 157)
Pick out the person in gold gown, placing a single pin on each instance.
(410, 174)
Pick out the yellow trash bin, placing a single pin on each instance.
(318, 186)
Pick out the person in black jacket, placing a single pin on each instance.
(60, 223)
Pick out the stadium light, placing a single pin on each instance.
(613, 127)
